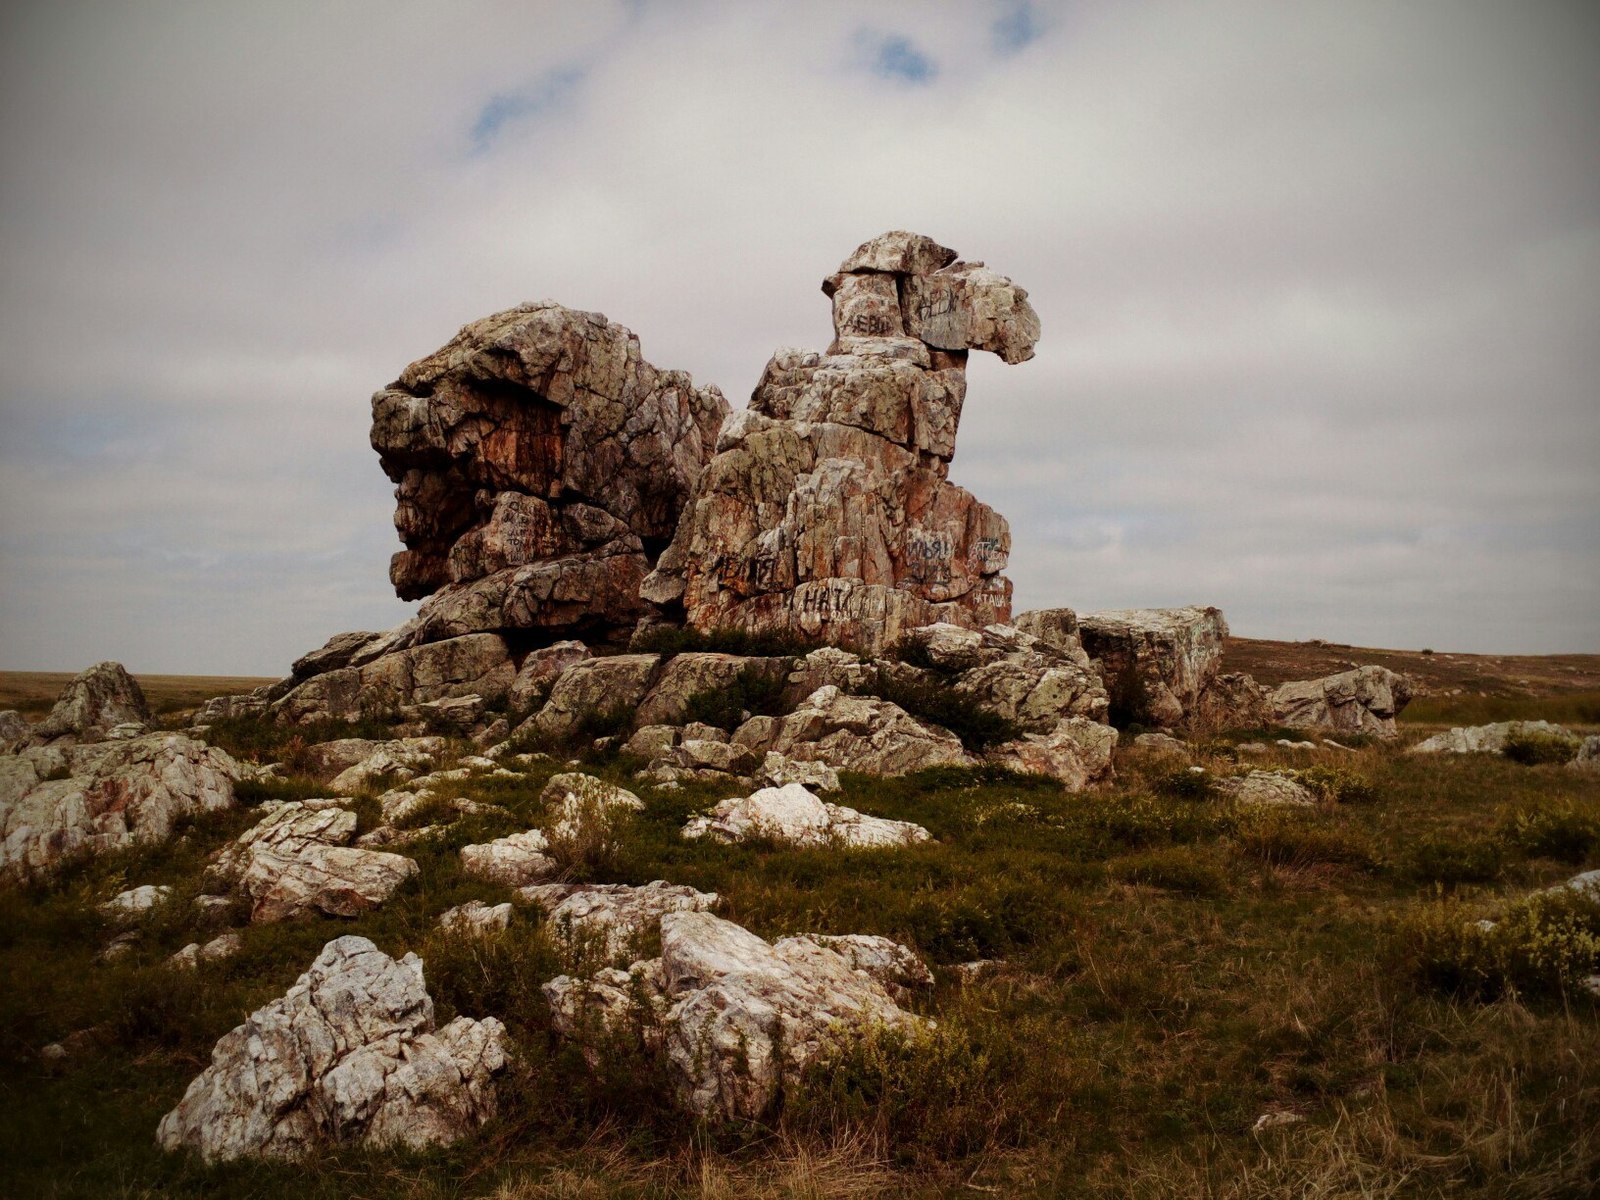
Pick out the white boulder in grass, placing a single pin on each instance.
(794, 816)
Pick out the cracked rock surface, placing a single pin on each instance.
(349, 1054)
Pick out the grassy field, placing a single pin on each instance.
(33, 692)
(1171, 969)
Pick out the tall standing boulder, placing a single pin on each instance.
(540, 465)
(827, 511)
(95, 702)
(1156, 662)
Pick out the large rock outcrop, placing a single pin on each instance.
(826, 511)
(1156, 662)
(60, 800)
(540, 464)
(1365, 700)
(96, 701)
(348, 1055)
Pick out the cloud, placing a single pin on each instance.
(892, 56)
(1016, 28)
(550, 93)
(1318, 287)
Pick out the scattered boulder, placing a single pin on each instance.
(1023, 679)
(1266, 788)
(1365, 700)
(1077, 752)
(1156, 662)
(297, 860)
(64, 799)
(95, 702)
(1162, 742)
(224, 945)
(896, 967)
(135, 902)
(1588, 756)
(792, 815)
(13, 727)
(516, 860)
(614, 917)
(348, 1055)
(476, 917)
(537, 457)
(827, 511)
(399, 760)
(1233, 701)
(854, 733)
(1489, 739)
(736, 1018)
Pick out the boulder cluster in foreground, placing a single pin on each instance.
(572, 517)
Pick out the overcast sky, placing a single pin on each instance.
(1319, 282)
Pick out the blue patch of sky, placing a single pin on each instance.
(551, 92)
(894, 56)
(1016, 28)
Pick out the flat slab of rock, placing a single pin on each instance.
(1365, 700)
(61, 800)
(794, 816)
(298, 861)
(1266, 788)
(1489, 739)
(348, 1055)
(516, 860)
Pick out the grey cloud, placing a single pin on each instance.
(1318, 284)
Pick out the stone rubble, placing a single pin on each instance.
(349, 1055)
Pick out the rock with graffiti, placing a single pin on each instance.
(827, 511)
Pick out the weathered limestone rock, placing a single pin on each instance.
(516, 860)
(614, 917)
(1155, 661)
(224, 945)
(1233, 701)
(1076, 751)
(349, 1054)
(297, 860)
(1365, 700)
(1161, 742)
(539, 464)
(1027, 681)
(540, 670)
(476, 917)
(13, 726)
(1588, 756)
(583, 810)
(894, 966)
(792, 815)
(341, 650)
(60, 800)
(854, 733)
(478, 664)
(1266, 788)
(687, 675)
(401, 759)
(92, 704)
(826, 511)
(1488, 739)
(595, 685)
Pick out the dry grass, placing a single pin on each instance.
(34, 692)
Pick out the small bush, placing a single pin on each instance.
(1456, 861)
(1336, 784)
(1289, 840)
(937, 703)
(1547, 943)
(1175, 868)
(1186, 784)
(1531, 748)
(591, 836)
(1551, 829)
(753, 691)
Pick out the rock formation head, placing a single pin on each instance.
(826, 511)
(540, 466)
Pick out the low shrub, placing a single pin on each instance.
(590, 840)
(1547, 943)
(934, 701)
(1186, 784)
(1182, 869)
(1282, 839)
(1551, 829)
(1455, 861)
(1532, 748)
(1135, 821)
(753, 691)
(1339, 785)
